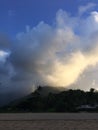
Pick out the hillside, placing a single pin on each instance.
(55, 101)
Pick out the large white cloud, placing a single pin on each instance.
(56, 55)
(61, 54)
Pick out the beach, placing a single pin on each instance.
(47, 121)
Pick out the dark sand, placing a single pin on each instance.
(30, 121)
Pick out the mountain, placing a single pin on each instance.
(49, 99)
(45, 90)
(24, 103)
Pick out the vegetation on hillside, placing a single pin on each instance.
(65, 101)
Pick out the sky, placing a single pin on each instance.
(48, 42)
(16, 14)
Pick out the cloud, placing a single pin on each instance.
(61, 54)
(55, 55)
(5, 42)
(85, 8)
(90, 23)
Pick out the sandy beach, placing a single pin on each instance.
(41, 121)
(50, 125)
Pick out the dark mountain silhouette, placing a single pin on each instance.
(48, 99)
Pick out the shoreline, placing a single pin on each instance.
(49, 121)
(48, 116)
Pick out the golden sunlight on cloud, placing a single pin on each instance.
(65, 74)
